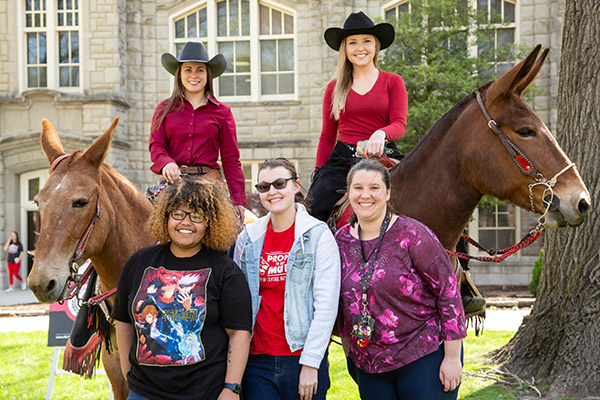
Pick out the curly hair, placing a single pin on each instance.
(202, 196)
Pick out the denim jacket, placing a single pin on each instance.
(312, 285)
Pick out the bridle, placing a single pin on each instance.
(527, 167)
(74, 282)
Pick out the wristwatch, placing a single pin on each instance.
(234, 387)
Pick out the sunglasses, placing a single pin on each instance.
(281, 183)
(180, 215)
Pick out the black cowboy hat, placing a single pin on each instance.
(194, 52)
(359, 23)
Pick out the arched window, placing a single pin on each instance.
(257, 40)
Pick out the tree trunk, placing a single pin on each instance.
(559, 343)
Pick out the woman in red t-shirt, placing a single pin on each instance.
(360, 103)
(191, 128)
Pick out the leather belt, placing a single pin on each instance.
(195, 170)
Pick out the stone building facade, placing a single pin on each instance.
(81, 63)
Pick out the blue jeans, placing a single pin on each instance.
(134, 396)
(418, 380)
(277, 377)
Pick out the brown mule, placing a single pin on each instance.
(67, 203)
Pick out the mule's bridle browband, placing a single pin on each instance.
(79, 249)
(525, 165)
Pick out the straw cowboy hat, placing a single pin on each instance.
(194, 52)
(359, 23)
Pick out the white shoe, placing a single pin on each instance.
(9, 290)
(24, 285)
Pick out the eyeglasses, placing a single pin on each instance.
(281, 183)
(180, 215)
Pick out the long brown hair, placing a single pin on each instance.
(175, 102)
(344, 79)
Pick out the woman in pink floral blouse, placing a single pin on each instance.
(402, 320)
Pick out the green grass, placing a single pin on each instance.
(25, 362)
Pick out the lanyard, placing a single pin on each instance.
(366, 272)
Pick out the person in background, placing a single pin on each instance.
(191, 128)
(401, 315)
(360, 103)
(293, 269)
(198, 316)
(14, 250)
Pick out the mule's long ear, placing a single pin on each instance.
(512, 79)
(97, 152)
(532, 74)
(50, 141)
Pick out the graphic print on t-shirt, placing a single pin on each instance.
(169, 311)
(273, 266)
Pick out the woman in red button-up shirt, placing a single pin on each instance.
(191, 127)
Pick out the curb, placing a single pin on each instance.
(519, 303)
(22, 313)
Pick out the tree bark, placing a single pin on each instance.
(559, 343)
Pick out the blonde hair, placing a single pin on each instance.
(344, 80)
(205, 197)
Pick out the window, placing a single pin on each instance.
(256, 39)
(393, 12)
(500, 16)
(51, 43)
(495, 228)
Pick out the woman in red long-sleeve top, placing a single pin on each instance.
(191, 128)
(360, 103)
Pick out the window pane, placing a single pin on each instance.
(69, 4)
(496, 10)
(28, 5)
(506, 238)
(178, 48)
(75, 76)
(486, 219)
(202, 23)
(76, 19)
(245, 17)
(267, 55)
(222, 18)
(503, 68)
(289, 23)
(487, 239)
(191, 26)
(242, 57)
(33, 188)
(226, 86)
(286, 83)
(286, 55)
(28, 20)
(264, 20)
(36, 5)
(61, 19)
(276, 20)
(42, 74)
(509, 12)
(63, 47)
(74, 47)
(64, 76)
(226, 48)
(32, 77)
(37, 20)
(32, 48)
(233, 18)
(42, 48)
(180, 28)
(269, 84)
(403, 8)
(69, 19)
(390, 14)
(242, 85)
(482, 11)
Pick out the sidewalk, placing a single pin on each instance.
(17, 297)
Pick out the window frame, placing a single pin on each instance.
(255, 37)
(475, 229)
(52, 48)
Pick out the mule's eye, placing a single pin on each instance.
(79, 203)
(526, 132)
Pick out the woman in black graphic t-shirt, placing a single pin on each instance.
(182, 307)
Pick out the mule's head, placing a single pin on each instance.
(67, 203)
(502, 177)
